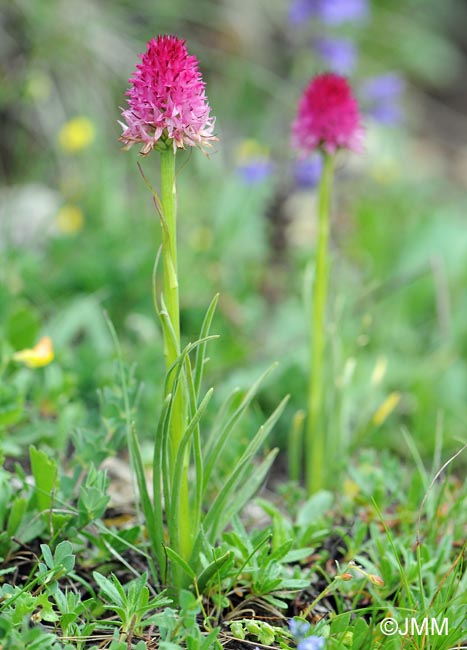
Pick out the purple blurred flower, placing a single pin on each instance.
(384, 87)
(307, 173)
(386, 113)
(381, 96)
(253, 161)
(332, 12)
(298, 628)
(339, 54)
(255, 171)
(301, 10)
(311, 643)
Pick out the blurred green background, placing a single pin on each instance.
(79, 232)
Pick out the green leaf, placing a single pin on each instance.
(118, 645)
(228, 406)
(253, 627)
(91, 504)
(201, 351)
(47, 555)
(197, 502)
(18, 508)
(215, 518)
(189, 603)
(297, 555)
(64, 555)
(159, 471)
(277, 602)
(44, 470)
(22, 327)
(152, 519)
(213, 569)
(178, 470)
(175, 557)
(280, 553)
(170, 338)
(249, 487)
(237, 630)
(242, 544)
(178, 364)
(340, 623)
(141, 645)
(214, 447)
(82, 315)
(267, 635)
(11, 406)
(315, 507)
(108, 588)
(208, 641)
(31, 527)
(361, 633)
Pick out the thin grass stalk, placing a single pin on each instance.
(295, 448)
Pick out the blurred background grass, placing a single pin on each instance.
(78, 231)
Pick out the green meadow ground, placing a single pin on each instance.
(78, 238)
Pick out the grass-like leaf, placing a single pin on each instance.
(227, 496)
(216, 447)
(201, 351)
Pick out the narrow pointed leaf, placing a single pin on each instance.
(180, 562)
(213, 568)
(201, 351)
(212, 457)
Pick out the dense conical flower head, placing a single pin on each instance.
(328, 116)
(167, 100)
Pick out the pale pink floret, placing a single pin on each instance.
(167, 100)
(328, 117)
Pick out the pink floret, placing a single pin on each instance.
(328, 117)
(167, 100)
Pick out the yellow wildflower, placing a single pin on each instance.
(386, 408)
(40, 355)
(69, 219)
(76, 134)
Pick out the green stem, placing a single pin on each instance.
(169, 251)
(316, 434)
(172, 348)
(296, 446)
(306, 612)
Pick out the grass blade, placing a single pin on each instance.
(211, 524)
(201, 351)
(223, 437)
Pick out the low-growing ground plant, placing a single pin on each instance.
(369, 553)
